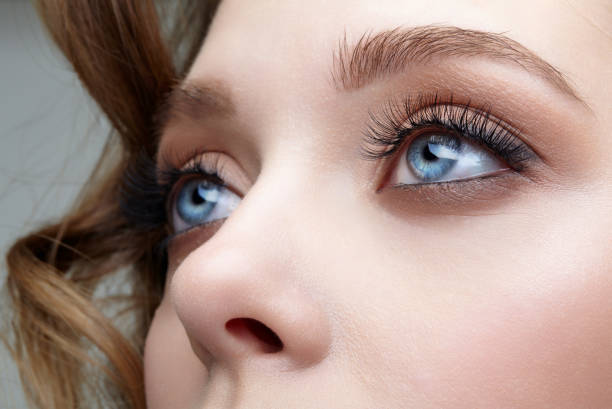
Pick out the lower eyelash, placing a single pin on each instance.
(476, 193)
(388, 130)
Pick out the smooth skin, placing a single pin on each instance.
(494, 296)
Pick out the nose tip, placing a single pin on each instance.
(237, 311)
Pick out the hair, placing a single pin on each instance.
(64, 318)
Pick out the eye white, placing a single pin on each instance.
(436, 158)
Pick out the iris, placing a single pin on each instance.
(197, 199)
(430, 157)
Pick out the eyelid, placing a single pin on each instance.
(400, 119)
(222, 166)
(217, 167)
(391, 163)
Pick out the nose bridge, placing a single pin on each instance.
(244, 294)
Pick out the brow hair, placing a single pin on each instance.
(376, 55)
(193, 99)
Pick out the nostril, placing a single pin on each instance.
(255, 332)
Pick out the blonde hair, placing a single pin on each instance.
(70, 353)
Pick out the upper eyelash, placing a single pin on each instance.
(399, 119)
(141, 197)
(169, 176)
(146, 189)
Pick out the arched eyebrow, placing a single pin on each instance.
(373, 57)
(194, 99)
(376, 55)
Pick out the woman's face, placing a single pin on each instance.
(422, 217)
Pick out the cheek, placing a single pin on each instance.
(173, 374)
(542, 337)
(501, 322)
(511, 346)
(551, 348)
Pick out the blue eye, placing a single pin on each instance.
(434, 158)
(202, 201)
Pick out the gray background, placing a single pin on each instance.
(50, 136)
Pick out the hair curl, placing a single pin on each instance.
(65, 337)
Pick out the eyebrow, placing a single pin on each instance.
(372, 57)
(195, 100)
(389, 52)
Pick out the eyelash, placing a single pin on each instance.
(146, 190)
(400, 120)
(144, 196)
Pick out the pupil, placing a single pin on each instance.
(196, 197)
(430, 157)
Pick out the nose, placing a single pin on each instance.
(239, 300)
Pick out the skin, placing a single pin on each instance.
(495, 295)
